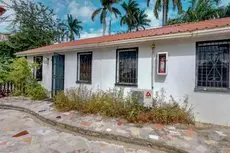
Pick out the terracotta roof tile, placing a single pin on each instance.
(172, 29)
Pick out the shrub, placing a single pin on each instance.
(20, 73)
(36, 91)
(111, 103)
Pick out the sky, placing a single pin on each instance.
(82, 10)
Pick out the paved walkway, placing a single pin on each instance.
(38, 138)
(201, 139)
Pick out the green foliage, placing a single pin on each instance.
(107, 7)
(32, 23)
(4, 68)
(6, 50)
(36, 91)
(134, 18)
(20, 73)
(71, 27)
(112, 104)
(201, 10)
(163, 6)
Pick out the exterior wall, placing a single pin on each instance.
(46, 71)
(208, 107)
(179, 82)
(104, 68)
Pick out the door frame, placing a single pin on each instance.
(53, 91)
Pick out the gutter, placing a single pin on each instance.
(197, 33)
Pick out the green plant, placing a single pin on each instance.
(72, 27)
(106, 7)
(112, 103)
(36, 91)
(20, 73)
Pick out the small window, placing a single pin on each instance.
(127, 63)
(38, 70)
(84, 74)
(212, 65)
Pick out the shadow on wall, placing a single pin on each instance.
(161, 98)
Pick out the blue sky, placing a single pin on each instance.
(82, 9)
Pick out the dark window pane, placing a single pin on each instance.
(127, 66)
(85, 67)
(213, 64)
(38, 71)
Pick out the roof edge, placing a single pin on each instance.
(196, 33)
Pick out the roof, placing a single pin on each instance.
(166, 30)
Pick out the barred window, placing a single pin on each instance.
(127, 63)
(84, 67)
(213, 64)
(38, 70)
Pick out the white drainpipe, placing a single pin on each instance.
(152, 67)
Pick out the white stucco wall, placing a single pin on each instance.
(104, 68)
(46, 71)
(179, 82)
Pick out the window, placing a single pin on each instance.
(84, 67)
(213, 65)
(127, 64)
(38, 70)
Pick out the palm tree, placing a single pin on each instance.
(72, 26)
(131, 10)
(164, 6)
(200, 10)
(107, 7)
(142, 20)
(224, 11)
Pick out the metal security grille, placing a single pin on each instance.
(85, 67)
(213, 64)
(38, 70)
(127, 66)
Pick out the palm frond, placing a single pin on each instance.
(116, 11)
(95, 13)
(157, 8)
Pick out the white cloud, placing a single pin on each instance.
(154, 21)
(91, 34)
(83, 11)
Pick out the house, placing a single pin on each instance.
(190, 59)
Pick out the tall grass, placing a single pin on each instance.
(112, 103)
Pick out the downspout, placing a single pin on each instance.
(152, 67)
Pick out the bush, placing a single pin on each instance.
(112, 104)
(20, 73)
(36, 91)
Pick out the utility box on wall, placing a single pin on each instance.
(162, 63)
(148, 98)
(145, 97)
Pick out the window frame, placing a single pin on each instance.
(78, 67)
(36, 69)
(210, 89)
(117, 83)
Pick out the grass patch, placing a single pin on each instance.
(112, 104)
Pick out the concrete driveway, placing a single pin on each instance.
(39, 138)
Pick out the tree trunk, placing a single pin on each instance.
(104, 26)
(110, 26)
(71, 37)
(165, 13)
